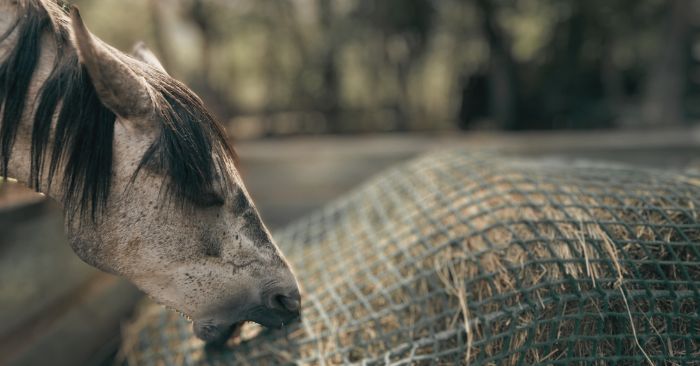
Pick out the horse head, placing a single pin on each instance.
(148, 180)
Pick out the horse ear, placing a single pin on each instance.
(144, 54)
(118, 86)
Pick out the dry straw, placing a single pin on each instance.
(458, 258)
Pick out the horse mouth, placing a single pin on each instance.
(218, 335)
(274, 318)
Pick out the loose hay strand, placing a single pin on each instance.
(634, 330)
(455, 285)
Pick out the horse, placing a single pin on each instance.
(145, 176)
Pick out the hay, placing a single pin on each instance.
(479, 260)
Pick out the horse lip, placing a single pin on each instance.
(275, 319)
(277, 323)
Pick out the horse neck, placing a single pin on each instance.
(20, 158)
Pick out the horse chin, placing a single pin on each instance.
(216, 335)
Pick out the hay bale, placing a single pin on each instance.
(471, 259)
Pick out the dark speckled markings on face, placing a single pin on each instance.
(240, 202)
(252, 228)
(243, 264)
(212, 245)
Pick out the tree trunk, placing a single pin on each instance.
(329, 72)
(503, 100)
(217, 101)
(664, 90)
(159, 34)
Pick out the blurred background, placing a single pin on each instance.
(291, 67)
(319, 95)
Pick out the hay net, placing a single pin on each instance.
(457, 258)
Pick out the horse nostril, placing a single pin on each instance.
(288, 303)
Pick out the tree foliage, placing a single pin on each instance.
(314, 66)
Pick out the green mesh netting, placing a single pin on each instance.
(472, 259)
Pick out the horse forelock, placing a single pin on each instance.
(73, 131)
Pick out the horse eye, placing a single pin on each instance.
(210, 199)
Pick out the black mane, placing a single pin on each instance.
(184, 150)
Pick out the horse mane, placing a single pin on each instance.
(183, 150)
